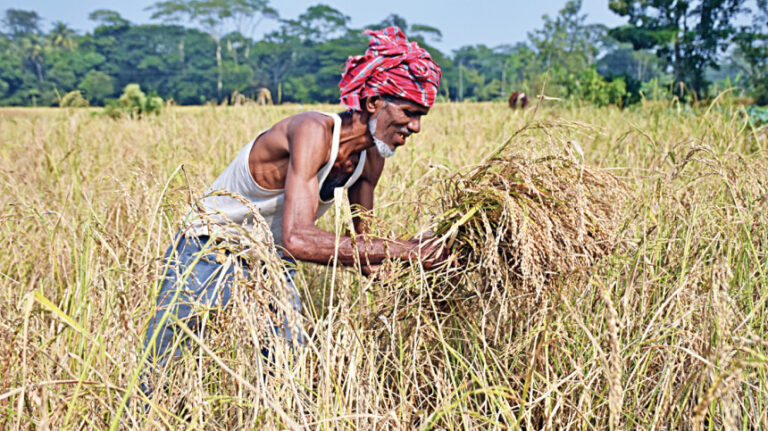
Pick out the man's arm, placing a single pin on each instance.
(361, 197)
(301, 238)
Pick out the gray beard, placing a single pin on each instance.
(381, 146)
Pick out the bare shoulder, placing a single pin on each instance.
(309, 138)
(309, 128)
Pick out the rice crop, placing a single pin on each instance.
(660, 212)
(523, 221)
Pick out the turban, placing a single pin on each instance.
(391, 66)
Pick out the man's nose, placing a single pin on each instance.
(414, 125)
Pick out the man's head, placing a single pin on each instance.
(391, 120)
(395, 81)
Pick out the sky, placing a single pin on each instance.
(489, 22)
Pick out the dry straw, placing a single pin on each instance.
(260, 309)
(667, 332)
(523, 221)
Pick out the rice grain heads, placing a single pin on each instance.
(521, 222)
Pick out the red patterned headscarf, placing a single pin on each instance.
(391, 66)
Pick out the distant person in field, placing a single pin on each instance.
(518, 99)
(290, 172)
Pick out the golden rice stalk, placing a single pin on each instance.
(520, 222)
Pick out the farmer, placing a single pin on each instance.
(289, 172)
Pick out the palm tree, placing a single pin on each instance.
(61, 36)
(32, 53)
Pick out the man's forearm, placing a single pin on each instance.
(315, 245)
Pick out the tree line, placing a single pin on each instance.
(203, 51)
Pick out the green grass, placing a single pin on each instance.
(668, 332)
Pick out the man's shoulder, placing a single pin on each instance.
(309, 134)
(309, 122)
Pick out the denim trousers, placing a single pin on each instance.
(194, 280)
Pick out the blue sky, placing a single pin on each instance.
(491, 22)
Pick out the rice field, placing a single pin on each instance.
(667, 329)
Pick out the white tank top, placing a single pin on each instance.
(237, 179)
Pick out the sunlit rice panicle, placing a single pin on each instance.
(531, 220)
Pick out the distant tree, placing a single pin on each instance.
(566, 41)
(518, 63)
(641, 65)
(412, 31)
(22, 26)
(62, 37)
(212, 16)
(236, 42)
(158, 57)
(751, 54)
(318, 24)
(21, 23)
(62, 79)
(686, 34)
(97, 86)
(10, 70)
(191, 67)
(247, 15)
(426, 31)
(275, 56)
(108, 18)
(4, 86)
(394, 20)
(479, 73)
(303, 59)
(32, 53)
(589, 86)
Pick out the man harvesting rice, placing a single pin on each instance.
(289, 173)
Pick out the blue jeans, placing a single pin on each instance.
(195, 279)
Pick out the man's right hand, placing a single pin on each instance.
(430, 251)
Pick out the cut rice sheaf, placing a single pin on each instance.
(522, 222)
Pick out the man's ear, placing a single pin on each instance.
(372, 104)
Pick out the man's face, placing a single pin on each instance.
(398, 119)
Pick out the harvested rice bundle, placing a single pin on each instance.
(520, 222)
